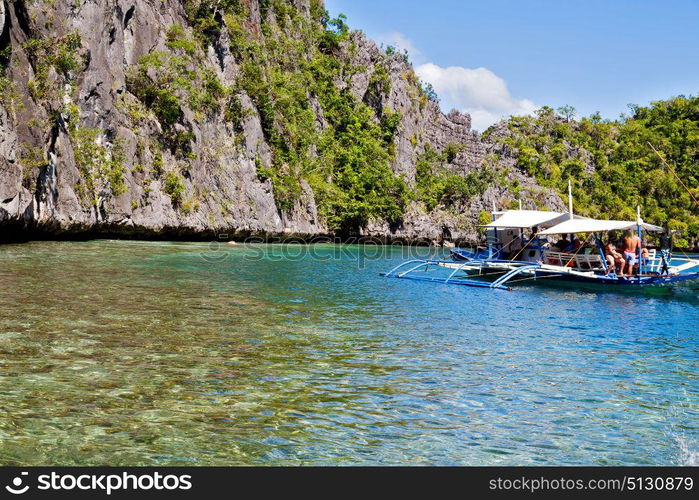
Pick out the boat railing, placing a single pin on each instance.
(652, 264)
(576, 261)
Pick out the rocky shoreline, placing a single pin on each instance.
(21, 234)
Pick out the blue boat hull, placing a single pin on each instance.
(461, 254)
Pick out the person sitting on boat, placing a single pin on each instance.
(645, 257)
(577, 244)
(620, 246)
(631, 245)
(614, 259)
(563, 244)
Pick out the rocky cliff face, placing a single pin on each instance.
(93, 139)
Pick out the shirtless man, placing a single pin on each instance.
(631, 245)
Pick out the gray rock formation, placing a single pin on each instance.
(215, 188)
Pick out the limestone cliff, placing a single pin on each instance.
(128, 117)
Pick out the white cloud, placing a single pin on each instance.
(479, 92)
(401, 42)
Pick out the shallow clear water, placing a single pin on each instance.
(117, 352)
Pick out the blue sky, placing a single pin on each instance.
(493, 58)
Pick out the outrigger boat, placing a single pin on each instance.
(511, 258)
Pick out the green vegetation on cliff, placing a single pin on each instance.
(101, 167)
(296, 72)
(611, 163)
(437, 184)
(318, 131)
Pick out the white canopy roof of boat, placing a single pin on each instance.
(595, 225)
(527, 218)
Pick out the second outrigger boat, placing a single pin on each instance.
(510, 257)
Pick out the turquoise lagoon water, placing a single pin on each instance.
(125, 353)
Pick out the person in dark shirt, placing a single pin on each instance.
(562, 244)
(666, 240)
(666, 250)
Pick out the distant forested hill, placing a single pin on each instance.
(611, 163)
